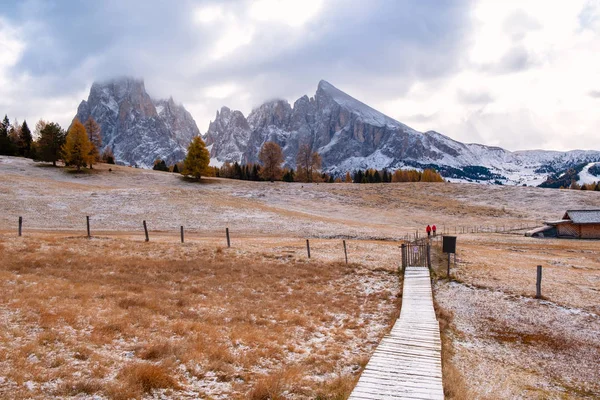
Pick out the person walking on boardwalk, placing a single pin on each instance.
(433, 229)
(428, 229)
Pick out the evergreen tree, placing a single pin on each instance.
(358, 176)
(237, 171)
(197, 160)
(376, 177)
(6, 147)
(25, 141)
(107, 156)
(52, 138)
(175, 169)
(255, 174)
(77, 147)
(597, 188)
(160, 165)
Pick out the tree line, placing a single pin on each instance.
(77, 147)
(308, 168)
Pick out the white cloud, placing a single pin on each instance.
(294, 13)
(209, 14)
(542, 100)
(221, 91)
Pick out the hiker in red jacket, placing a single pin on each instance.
(428, 229)
(433, 228)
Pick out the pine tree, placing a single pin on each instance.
(52, 138)
(160, 165)
(6, 147)
(94, 135)
(77, 147)
(376, 177)
(107, 156)
(25, 141)
(271, 158)
(175, 169)
(197, 160)
(597, 188)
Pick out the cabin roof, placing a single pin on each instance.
(583, 216)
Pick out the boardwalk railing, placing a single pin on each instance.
(416, 254)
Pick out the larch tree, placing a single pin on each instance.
(348, 178)
(94, 134)
(77, 148)
(52, 138)
(271, 158)
(197, 160)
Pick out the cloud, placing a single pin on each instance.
(595, 94)
(479, 97)
(467, 68)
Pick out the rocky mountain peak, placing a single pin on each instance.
(137, 128)
(350, 135)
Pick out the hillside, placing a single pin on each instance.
(50, 198)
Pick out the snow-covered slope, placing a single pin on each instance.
(350, 135)
(137, 128)
(586, 176)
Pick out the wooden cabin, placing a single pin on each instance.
(578, 224)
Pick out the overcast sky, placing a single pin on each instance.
(519, 74)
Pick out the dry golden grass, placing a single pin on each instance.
(124, 319)
(505, 342)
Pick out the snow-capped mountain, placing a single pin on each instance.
(137, 128)
(350, 135)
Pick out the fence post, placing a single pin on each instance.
(428, 256)
(538, 283)
(181, 233)
(308, 248)
(403, 247)
(87, 219)
(20, 226)
(227, 234)
(345, 252)
(146, 231)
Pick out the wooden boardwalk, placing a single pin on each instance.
(407, 364)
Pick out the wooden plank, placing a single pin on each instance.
(407, 364)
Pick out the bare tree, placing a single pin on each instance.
(271, 158)
(307, 163)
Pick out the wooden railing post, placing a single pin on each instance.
(308, 248)
(428, 256)
(87, 218)
(181, 233)
(538, 283)
(20, 226)
(404, 261)
(345, 252)
(227, 234)
(146, 231)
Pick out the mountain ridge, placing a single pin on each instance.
(351, 135)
